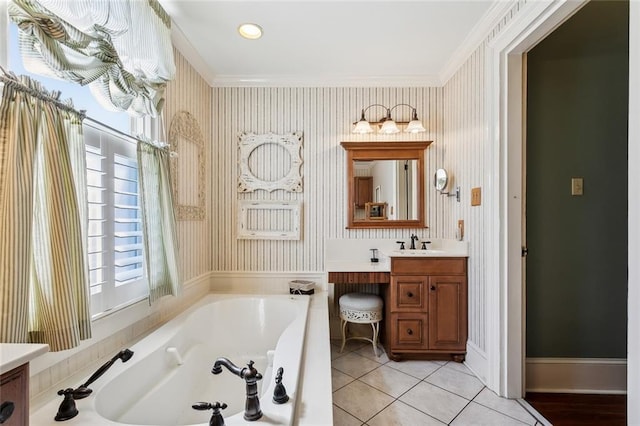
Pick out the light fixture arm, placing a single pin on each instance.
(362, 117)
(388, 125)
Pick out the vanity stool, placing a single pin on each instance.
(361, 308)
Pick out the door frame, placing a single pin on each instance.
(505, 82)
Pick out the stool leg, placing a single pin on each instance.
(344, 327)
(375, 327)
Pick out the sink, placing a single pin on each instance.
(416, 253)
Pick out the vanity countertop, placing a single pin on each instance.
(13, 355)
(352, 255)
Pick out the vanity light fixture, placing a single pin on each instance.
(386, 124)
(250, 31)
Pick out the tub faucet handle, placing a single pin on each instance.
(67, 409)
(250, 372)
(424, 244)
(401, 244)
(280, 393)
(216, 416)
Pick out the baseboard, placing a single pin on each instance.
(576, 375)
(476, 361)
(267, 282)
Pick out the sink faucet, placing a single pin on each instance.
(414, 238)
(251, 376)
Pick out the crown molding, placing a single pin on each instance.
(476, 36)
(325, 81)
(187, 50)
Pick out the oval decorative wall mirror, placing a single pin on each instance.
(441, 179)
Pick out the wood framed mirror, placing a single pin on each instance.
(396, 171)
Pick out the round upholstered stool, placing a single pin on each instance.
(361, 308)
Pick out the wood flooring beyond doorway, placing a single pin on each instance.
(564, 409)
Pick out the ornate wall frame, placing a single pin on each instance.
(290, 142)
(184, 129)
(251, 213)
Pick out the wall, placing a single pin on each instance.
(577, 114)
(190, 92)
(325, 117)
(467, 145)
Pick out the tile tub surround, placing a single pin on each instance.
(374, 391)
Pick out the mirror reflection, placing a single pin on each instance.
(385, 184)
(389, 182)
(441, 179)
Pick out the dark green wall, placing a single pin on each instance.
(577, 111)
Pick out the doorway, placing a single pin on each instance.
(576, 203)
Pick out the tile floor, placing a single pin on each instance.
(374, 391)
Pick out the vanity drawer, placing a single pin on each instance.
(409, 331)
(408, 294)
(430, 265)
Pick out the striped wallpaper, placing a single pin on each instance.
(466, 140)
(189, 92)
(324, 116)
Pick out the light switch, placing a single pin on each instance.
(577, 186)
(476, 197)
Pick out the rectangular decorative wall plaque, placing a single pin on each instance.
(269, 220)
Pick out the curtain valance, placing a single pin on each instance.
(120, 48)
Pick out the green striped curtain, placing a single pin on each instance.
(120, 48)
(43, 220)
(158, 221)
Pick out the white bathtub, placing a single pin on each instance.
(171, 368)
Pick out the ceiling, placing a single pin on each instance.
(330, 43)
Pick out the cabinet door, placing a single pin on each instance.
(408, 293)
(364, 190)
(447, 312)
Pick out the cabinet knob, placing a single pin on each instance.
(433, 288)
(409, 331)
(6, 410)
(409, 294)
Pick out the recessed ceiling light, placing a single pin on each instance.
(250, 31)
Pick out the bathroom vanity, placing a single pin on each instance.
(426, 307)
(424, 292)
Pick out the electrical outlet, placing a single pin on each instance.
(476, 196)
(577, 186)
(460, 232)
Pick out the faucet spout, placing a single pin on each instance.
(251, 376)
(225, 362)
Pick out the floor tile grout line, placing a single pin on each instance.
(459, 412)
(504, 414)
(397, 399)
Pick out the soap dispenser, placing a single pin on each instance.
(374, 255)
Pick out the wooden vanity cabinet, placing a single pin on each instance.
(426, 309)
(14, 393)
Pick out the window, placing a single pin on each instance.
(116, 273)
(116, 260)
